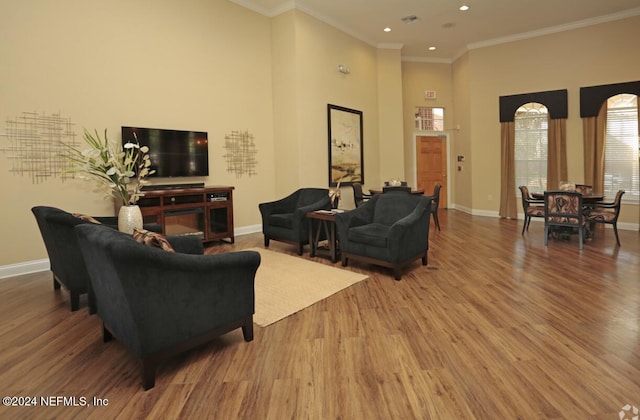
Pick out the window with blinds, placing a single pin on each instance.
(621, 166)
(429, 119)
(531, 125)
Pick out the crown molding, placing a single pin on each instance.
(295, 5)
(555, 29)
(417, 59)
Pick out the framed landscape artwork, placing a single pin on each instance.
(345, 146)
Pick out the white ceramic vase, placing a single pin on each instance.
(129, 217)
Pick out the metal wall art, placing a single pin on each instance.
(241, 153)
(36, 145)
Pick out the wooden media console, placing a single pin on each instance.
(204, 211)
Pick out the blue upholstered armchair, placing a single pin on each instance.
(390, 230)
(159, 303)
(284, 220)
(67, 265)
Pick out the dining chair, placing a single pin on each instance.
(563, 211)
(396, 189)
(395, 183)
(532, 207)
(435, 202)
(606, 213)
(359, 197)
(584, 189)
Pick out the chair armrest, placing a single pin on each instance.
(284, 205)
(322, 204)
(186, 244)
(605, 205)
(412, 229)
(111, 221)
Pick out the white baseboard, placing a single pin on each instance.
(246, 230)
(27, 267)
(485, 213)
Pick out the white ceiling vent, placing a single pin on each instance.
(410, 19)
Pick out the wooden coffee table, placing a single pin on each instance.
(323, 220)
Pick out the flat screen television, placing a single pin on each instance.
(173, 153)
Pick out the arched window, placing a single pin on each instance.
(621, 166)
(531, 139)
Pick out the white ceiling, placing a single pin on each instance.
(442, 25)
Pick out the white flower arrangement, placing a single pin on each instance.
(119, 173)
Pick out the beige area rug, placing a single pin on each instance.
(286, 284)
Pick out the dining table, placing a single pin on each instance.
(586, 198)
(418, 191)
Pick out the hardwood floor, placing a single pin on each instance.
(497, 326)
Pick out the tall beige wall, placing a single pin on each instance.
(417, 77)
(304, 90)
(390, 111)
(463, 180)
(600, 54)
(194, 64)
(285, 103)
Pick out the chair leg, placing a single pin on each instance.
(425, 259)
(524, 226)
(148, 374)
(75, 300)
(580, 237)
(56, 284)
(546, 235)
(345, 261)
(300, 248)
(436, 221)
(266, 241)
(106, 334)
(397, 273)
(93, 307)
(615, 230)
(247, 330)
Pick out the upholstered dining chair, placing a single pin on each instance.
(563, 210)
(435, 203)
(532, 207)
(606, 213)
(359, 197)
(584, 189)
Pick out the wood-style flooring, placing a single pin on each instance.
(497, 326)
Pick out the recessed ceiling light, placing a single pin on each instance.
(464, 7)
(432, 48)
(387, 29)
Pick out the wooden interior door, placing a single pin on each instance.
(431, 165)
